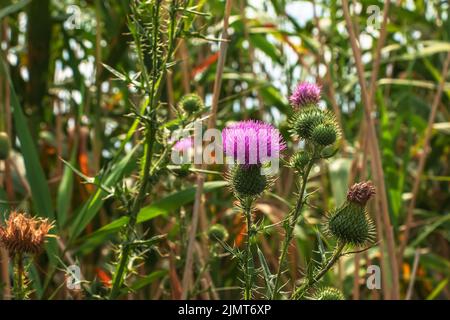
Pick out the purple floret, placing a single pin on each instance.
(305, 94)
(252, 142)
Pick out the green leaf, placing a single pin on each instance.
(13, 8)
(441, 286)
(266, 273)
(90, 209)
(160, 207)
(259, 41)
(429, 229)
(145, 281)
(65, 189)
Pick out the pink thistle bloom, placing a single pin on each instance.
(184, 144)
(305, 94)
(252, 142)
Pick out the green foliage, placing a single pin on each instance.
(89, 101)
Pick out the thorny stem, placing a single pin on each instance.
(300, 292)
(248, 262)
(118, 278)
(292, 221)
(19, 293)
(145, 173)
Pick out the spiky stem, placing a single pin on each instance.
(292, 221)
(300, 292)
(248, 262)
(19, 287)
(145, 172)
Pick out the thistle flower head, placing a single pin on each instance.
(4, 146)
(305, 94)
(184, 144)
(24, 234)
(328, 293)
(361, 192)
(252, 142)
(191, 103)
(217, 232)
(351, 224)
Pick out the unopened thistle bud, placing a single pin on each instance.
(4, 146)
(191, 103)
(217, 233)
(23, 234)
(304, 122)
(247, 180)
(328, 293)
(324, 134)
(299, 160)
(351, 224)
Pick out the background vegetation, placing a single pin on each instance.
(67, 90)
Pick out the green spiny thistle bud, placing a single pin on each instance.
(306, 120)
(217, 233)
(4, 146)
(247, 180)
(328, 293)
(299, 160)
(351, 224)
(324, 134)
(191, 103)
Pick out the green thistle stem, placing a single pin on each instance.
(248, 262)
(19, 285)
(300, 292)
(293, 217)
(124, 257)
(154, 91)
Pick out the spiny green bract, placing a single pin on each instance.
(324, 134)
(191, 103)
(4, 146)
(350, 224)
(307, 120)
(217, 232)
(247, 180)
(328, 293)
(299, 160)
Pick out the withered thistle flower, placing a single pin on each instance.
(361, 192)
(23, 234)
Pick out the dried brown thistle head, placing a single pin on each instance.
(23, 234)
(361, 192)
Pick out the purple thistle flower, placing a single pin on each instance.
(184, 144)
(305, 94)
(252, 142)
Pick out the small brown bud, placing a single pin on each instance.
(361, 192)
